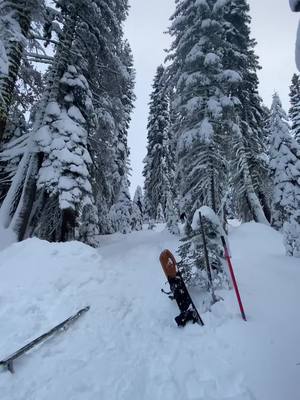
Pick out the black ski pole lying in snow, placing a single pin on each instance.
(8, 362)
(235, 285)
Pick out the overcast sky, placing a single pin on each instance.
(273, 26)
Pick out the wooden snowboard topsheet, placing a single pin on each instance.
(168, 264)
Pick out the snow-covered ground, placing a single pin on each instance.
(127, 347)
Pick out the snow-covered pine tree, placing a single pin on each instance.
(64, 173)
(249, 167)
(157, 173)
(294, 112)
(126, 100)
(80, 46)
(285, 174)
(15, 19)
(172, 216)
(192, 252)
(138, 210)
(113, 104)
(279, 137)
(203, 101)
(121, 211)
(138, 199)
(136, 218)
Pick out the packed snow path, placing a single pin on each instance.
(127, 347)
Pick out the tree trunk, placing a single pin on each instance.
(252, 198)
(68, 225)
(21, 217)
(265, 205)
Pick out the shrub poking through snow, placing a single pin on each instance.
(192, 251)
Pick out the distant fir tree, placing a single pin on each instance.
(172, 216)
(121, 212)
(266, 126)
(136, 218)
(138, 210)
(203, 102)
(158, 162)
(294, 112)
(249, 166)
(138, 199)
(160, 216)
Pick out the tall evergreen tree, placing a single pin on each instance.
(294, 112)
(157, 169)
(114, 104)
(89, 43)
(249, 161)
(203, 101)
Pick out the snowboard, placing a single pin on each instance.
(180, 294)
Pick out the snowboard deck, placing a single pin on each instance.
(168, 264)
(179, 290)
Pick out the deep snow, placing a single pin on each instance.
(127, 347)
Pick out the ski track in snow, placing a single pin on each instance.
(128, 347)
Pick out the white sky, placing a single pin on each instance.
(273, 26)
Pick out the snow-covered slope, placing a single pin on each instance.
(127, 347)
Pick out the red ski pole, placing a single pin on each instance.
(233, 279)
